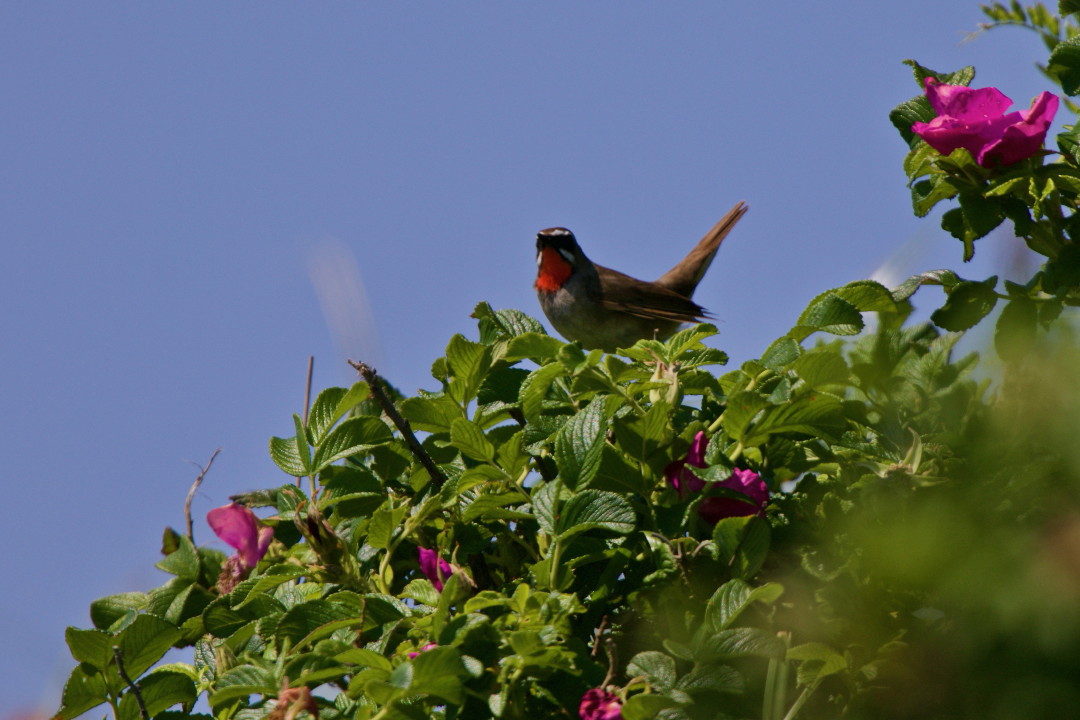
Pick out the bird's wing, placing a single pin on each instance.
(647, 300)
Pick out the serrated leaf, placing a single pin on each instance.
(467, 362)
(284, 453)
(781, 353)
(867, 296)
(543, 504)
(496, 324)
(82, 692)
(818, 661)
(906, 289)
(642, 436)
(815, 414)
(534, 389)
(733, 598)
(469, 439)
(160, 690)
(715, 678)
(595, 509)
(645, 706)
(658, 667)
(966, 305)
(432, 413)
(144, 642)
(241, 682)
(492, 506)
(1064, 64)
(331, 405)
(822, 368)
(93, 647)
(738, 642)
(439, 672)
(742, 408)
(301, 620)
(829, 313)
(580, 443)
(183, 562)
(533, 345)
(352, 437)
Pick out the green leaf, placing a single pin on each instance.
(647, 706)
(818, 661)
(716, 678)
(641, 437)
(160, 690)
(658, 667)
(925, 194)
(781, 353)
(242, 682)
(432, 413)
(107, 610)
(537, 346)
(733, 598)
(93, 647)
(754, 548)
(595, 509)
(580, 443)
(144, 642)
(301, 620)
(1014, 336)
(467, 362)
(829, 313)
(439, 672)
(496, 324)
(492, 506)
(331, 405)
(535, 388)
(822, 368)
(182, 562)
(544, 500)
(742, 408)
(470, 440)
(867, 296)
(815, 414)
(1068, 7)
(284, 453)
(738, 642)
(906, 289)
(967, 304)
(1064, 64)
(82, 692)
(352, 437)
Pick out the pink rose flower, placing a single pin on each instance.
(599, 704)
(975, 119)
(241, 530)
(747, 482)
(434, 568)
(423, 649)
(684, 480)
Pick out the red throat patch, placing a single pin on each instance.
(554, 270)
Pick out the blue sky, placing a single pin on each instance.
(171, 173)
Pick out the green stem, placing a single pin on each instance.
(801, 700)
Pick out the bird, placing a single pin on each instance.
(606, 309)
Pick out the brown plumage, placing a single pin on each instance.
(604, 308)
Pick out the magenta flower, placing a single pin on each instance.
(975, 119)
(241, 530)
(684, 480)
(434, 568)
(599, 704)
(427, 647)
(747, 482)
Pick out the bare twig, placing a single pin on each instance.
(191, 493)
(307, 402)
(372, 379)
(134, 689)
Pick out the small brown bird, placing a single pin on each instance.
(603, 308)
